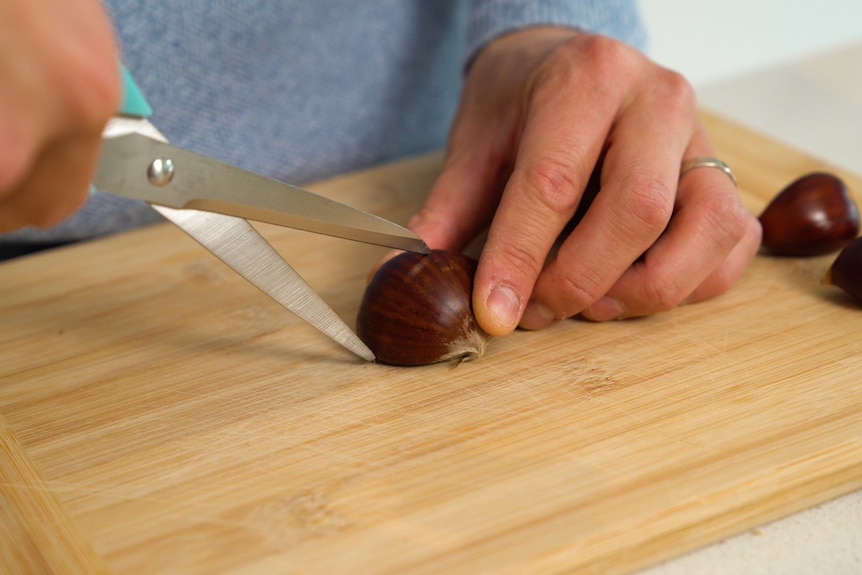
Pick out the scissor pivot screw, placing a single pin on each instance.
(160, 172)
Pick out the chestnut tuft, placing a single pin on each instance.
(811, 216)
(846, 270)
(417, 310)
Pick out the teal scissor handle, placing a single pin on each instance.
(134, 103)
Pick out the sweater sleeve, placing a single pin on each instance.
(492, 18)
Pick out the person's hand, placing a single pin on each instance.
(540, 108)
(59, 84)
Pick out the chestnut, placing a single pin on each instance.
(846, 270)
(417, 309)
(811, 216)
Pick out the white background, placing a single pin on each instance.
(791, 69)
(713, 41)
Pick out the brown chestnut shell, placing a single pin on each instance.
(813, 215)
(846, 270)
(417, 310)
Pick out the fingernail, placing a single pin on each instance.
(536, 316)
(505, 306)
(606, 308)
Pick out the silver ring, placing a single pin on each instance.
(706, 162)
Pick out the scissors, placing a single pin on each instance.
(211, 201)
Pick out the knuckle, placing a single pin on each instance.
(676, 90)
(609, 58)
(572, 283)
(746, 242)
(580, 290)
(603, 50)
(664, 293)
(517, 256)
(650, 203)
(722, 279)
(554, 185)
(730, 220)
(603, 56)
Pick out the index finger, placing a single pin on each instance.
(559, 146)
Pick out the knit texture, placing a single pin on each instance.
(302, 90)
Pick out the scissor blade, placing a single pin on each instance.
(201, 183)
(239, 245)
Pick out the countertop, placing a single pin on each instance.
(815, 105)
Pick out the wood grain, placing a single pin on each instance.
(36, 533)
(187, 424)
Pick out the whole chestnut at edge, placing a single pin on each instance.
(846, 270)
(417, 309)
(813, 215)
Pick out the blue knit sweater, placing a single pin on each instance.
(301, 90)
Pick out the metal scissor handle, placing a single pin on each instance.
(234, 241)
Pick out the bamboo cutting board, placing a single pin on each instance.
(160, 415)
